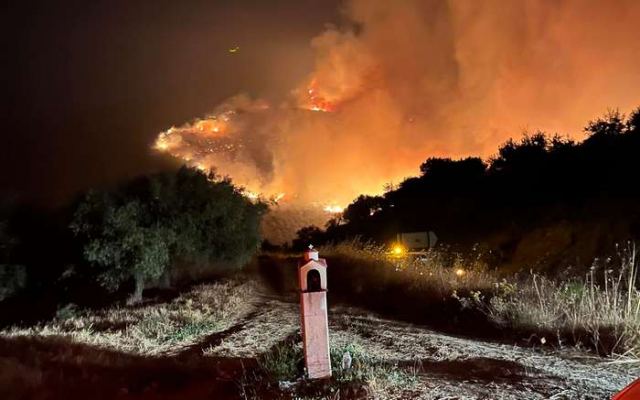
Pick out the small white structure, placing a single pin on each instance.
(312, 275)
(417, 240)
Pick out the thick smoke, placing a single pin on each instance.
(401, 81)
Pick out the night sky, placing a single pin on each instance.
(89, 84)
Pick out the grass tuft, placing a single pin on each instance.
(368, 369)
(600, 310)
(603, 308)
(153, 328)
(284, 361)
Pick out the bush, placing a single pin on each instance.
(13, 278)
(157, 222)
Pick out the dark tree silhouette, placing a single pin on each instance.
(156, 224)
(538, 183)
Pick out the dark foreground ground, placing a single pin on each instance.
(227, 360)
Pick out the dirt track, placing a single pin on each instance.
(442, 366)
(446, 367)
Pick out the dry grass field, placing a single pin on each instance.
(238, 339)
(599, 310)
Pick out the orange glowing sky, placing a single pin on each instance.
(402, 81)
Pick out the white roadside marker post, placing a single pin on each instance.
(312, 275)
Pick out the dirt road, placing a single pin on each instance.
(215, 364)
(445, 367)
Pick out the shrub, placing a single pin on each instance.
(13, 278)
(185, 218)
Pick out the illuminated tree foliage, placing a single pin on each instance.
(529, 185)
(166, 222)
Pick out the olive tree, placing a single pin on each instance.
(156, 222)
(122, 241)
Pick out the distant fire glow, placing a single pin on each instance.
(316, 101)
(222, 142)
(251, 195)
(333, 209)
(398, 250)
(404, 81)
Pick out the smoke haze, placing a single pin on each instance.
(401, 81)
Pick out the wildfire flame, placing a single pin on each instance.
(251, 195)
(222, 142)
(316, 101)
(404, 81)
(333, 209)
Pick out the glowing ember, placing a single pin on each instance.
(161, 145)
(251, 195)
(333, 209)
(166, 141)
(316, 101)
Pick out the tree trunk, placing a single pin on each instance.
(136, 296)
(165, 280)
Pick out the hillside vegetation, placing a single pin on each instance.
(161, 230)
(542, 201)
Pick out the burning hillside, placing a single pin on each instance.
(399, 82)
